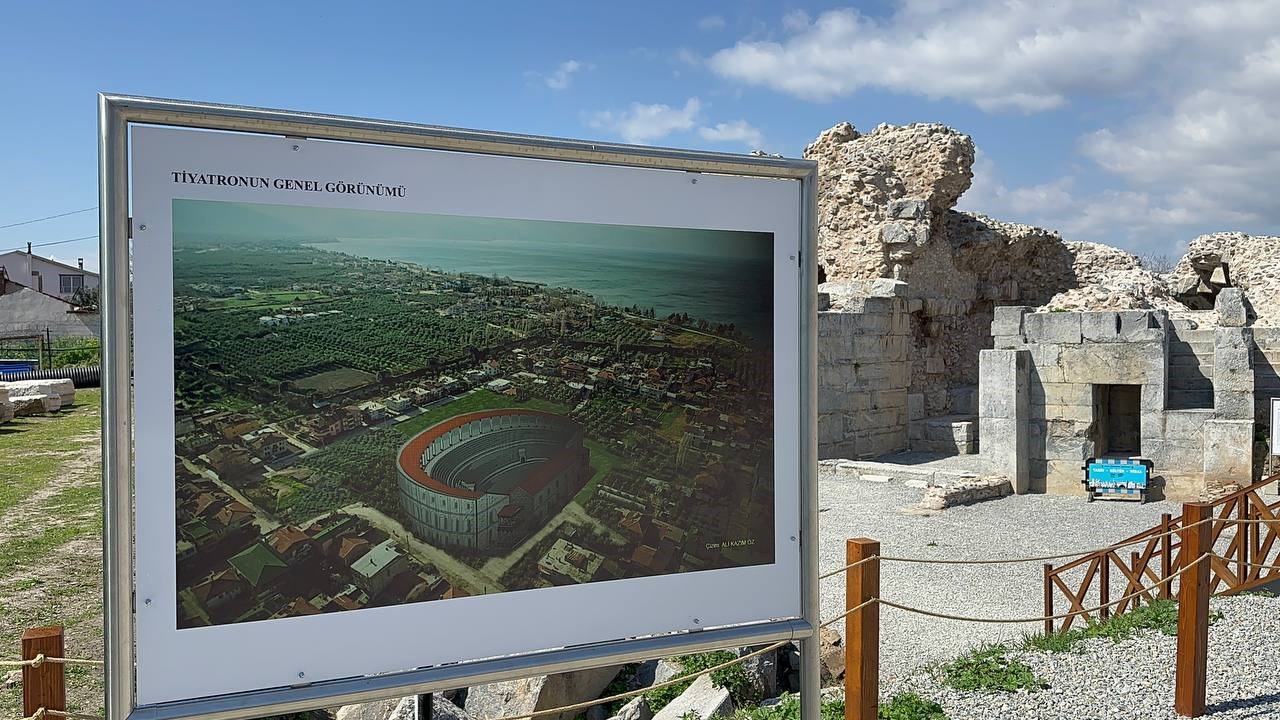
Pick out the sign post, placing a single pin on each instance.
(420, 408)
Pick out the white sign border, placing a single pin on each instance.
(176, 665)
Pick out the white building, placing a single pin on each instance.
(46, 275)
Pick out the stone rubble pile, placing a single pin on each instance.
(1218, 260)
(886, 212)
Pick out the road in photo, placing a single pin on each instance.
(378, 408)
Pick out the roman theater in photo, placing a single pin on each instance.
(486, 480)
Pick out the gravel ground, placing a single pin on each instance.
(1133, 679)
(1013, 526)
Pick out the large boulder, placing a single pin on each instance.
(702, 698)
(831, 653)
(376, 710)
(544, 692)
(762, 673)
(636, 709)
(1231, 259)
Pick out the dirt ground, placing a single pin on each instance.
(51, 544)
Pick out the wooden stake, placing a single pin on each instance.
(862, 632)
(43, 686)
(1048, 599)
(1192, 667)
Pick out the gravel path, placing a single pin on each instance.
(1133, 679)
(1014, 526)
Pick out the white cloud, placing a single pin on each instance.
(1189, 92)
(739, 131)
(560, 78)
(647, 123)
(1138, 221)
(711, 22)
(795, 21)
(1001, 55)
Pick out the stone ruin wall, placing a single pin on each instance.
(887, 213)
(886, 210)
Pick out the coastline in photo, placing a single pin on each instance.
(378, 408)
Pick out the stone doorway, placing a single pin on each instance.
(1117, 420)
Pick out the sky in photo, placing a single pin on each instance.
(1140, 124)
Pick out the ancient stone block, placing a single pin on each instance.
(524, 696)
(934, 366)
(1051, 393)
(908, 209)
(1232, 337)
(963, 399)
(1002, 379)
(1008, 342)
(1178, 456)
(1057, 328)
(1185, 424)
(1154, 395)
(1134, 321)
(1008, 319)
(831, 400)
(1069, 413)
(1111, 363)
(1071, 447)
(889, 399)
(895, 233)
(915, 406)
(1100, 326)
(888, 287)
(1228, 451)
(830, 428)
(1230, 307)
(1151, 426)
(1064, 477)
(1229, 405)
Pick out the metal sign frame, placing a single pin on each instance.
(115, 114)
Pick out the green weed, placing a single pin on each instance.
(910, 706)
(988, 668)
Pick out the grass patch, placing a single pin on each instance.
(989, 668)
(473, 402)
(27, 549)
(788, 708)
(1161, 615)
(38, 446)
(603, 461)
(909, 706)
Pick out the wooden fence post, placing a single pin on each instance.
(862, 631)
(43, 686)
(1104, 586)
(1192, 666)
(1048, 599)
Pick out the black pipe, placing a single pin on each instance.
(82, 377)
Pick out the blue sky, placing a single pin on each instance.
(1140, 124)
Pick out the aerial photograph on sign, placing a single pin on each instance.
(375, 408)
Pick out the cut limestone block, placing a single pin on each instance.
(64, 389)
(36, 404)
(702, 698)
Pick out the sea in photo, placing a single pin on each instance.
(378, 408)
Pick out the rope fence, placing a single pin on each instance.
(657, 686)
(848, 615)
(39, 660)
